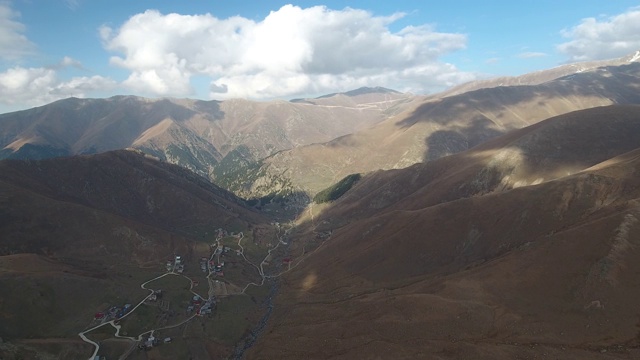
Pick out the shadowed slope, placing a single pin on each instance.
(79, 233)
(445, 126)
(551, 149)
(501, 272)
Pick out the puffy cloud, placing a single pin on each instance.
(38, 86)
(292, 51)
(596, 39)
(13, 43)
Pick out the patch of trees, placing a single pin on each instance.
(336, 190)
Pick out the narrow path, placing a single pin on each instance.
(118, 327)
(210, 294)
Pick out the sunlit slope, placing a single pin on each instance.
(443, 126)
(453, 264)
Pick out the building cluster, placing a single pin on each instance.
(176, 264)
(157, 295)
(152, 341)
(216, 268)
(220, 232)
(114, 312)
(201, 306)
(203, 264)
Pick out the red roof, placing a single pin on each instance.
(99, 315)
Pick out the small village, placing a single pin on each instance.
(212, 268)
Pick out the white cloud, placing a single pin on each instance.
(72, 4)
(13, 43)
(596, 39)
(38, 86)
(292, 51)
(530, 55)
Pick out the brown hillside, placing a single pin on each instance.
(444, 126)
(545, 270)
(538, 77)
(78, 233)
(195, 134)
(548, 150)
(129, 184)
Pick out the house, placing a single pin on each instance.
(99, 316)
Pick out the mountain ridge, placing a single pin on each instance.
(497, 273)
(438, 127)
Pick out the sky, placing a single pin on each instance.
(266, 49)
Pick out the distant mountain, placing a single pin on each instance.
(447, 124)
(208, 137)
(363, 91)
(272, 151)
(542, 76)
(523, 247)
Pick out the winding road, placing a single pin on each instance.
(210, 294)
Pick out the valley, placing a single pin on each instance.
(211, 305)
(496, 220)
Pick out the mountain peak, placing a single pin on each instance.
(635, 57)
(362, 91)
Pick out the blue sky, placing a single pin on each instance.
(214, 49)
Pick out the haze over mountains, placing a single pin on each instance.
(497, 220)
(441, 126)
(259, 149)
(194, 134)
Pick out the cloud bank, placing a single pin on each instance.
(13, 43)
(291, 52)
(33, 86)
(607, 38)
(41, 85)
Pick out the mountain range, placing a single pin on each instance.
(524, 246)
(444, 125)
(198, 135)
(262, 149)
(497, 220)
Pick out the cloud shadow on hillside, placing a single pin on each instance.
(467, 116)
(460, 138)
(211, 107)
